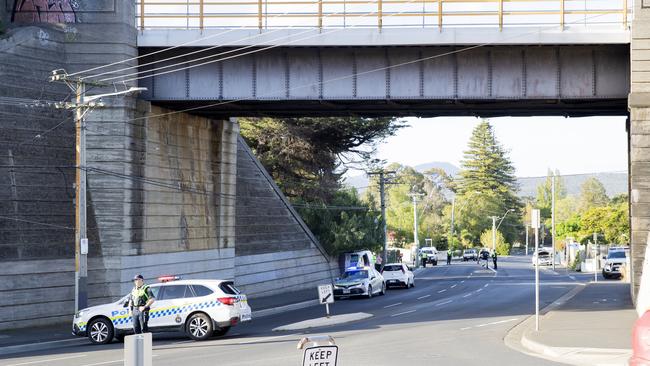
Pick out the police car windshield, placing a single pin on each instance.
(355, 275)
(616, 254)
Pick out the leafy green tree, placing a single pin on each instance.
(592, 194)
(307, 156)
(502, 247)
(544, 199)
(487, 178)
(343, 224)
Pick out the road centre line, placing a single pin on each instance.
(454, 286)
(390, 306)
(486, 285)
(468, 295)
(463, 281)
(445, 302)
(441, 291)
(479, 290)
(46, 360)
(402, 313)
(423, 297)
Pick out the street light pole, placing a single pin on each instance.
(415, 197)
(494, 232)
(553, 217)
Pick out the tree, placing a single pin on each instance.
(344, 224)
(544, 200)
(399, 205)
(488, 179)
(307, 156)
(592, 194)
(502, 247)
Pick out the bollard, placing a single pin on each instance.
(137, 350)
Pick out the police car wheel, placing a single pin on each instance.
(369, 291)
(100, 331)
(221, 331)
(199, 327)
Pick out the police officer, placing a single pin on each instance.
(423, 256)
(494, 258)
(139, 302)
(449, 257)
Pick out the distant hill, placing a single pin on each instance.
(360, 182)
(615, 183)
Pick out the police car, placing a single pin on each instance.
(359, 281)
(200, 308)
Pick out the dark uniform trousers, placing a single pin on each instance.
(140, 320)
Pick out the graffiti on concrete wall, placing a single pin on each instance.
(44, 11)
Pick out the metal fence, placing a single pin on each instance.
(266, 14)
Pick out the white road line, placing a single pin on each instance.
(103, 363)
(479, 290)
(466, 328)
(463, 281)
(492, 269)
(266, 339)
(499, 322)
(441, 291)
(445, 303)
(46, 360)
(454, 285)
(573, 278)
(402, 313)
(423, 297)
(486, 285)
(468, 295)
(390, 306)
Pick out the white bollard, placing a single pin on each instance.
(137, 350)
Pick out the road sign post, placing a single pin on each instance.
(326, 296)
(535, 224)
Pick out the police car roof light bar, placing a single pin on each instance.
(168, 278)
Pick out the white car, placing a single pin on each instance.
(543, 258)
(432, 254)
(200, 308)
(359, 281)
(398, 274)
(617, 257)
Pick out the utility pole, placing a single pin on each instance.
(553, 217)
(83, 104)
(415, 197)
(494, 232)
(596, 260)
(383, 180)
(535, 223)
(527, 227)
(451, 227)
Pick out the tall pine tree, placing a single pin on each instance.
(487, 178)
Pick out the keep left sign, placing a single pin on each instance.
(320, 356)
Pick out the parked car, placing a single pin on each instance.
(398, 274)
(542, 257)
(432, 254)
(359, 281)
(469, 254)
(200, 308)
(616, 258)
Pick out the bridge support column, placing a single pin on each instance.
(639, 140)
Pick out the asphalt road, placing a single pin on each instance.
(456, 315)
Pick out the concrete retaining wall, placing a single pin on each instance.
(275, 252)
(639, 141)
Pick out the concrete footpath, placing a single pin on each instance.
(591, 325)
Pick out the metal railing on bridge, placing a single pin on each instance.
(267, 14)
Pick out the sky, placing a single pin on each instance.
(535, 144)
